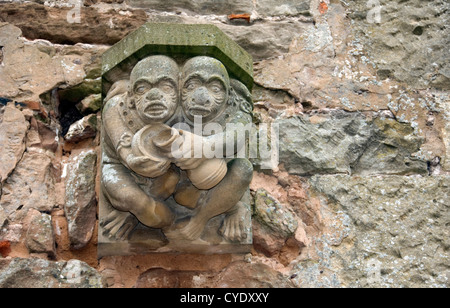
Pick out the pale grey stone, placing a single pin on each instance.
(39, 237)
(267, 8)
(271, 214)
(341, 142)
(91, 104)
(3, 217)
(407, 42)
(396, 232)
(38, 273)
(81, 204)
(160, 75)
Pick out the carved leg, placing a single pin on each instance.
(186, 193)
(117, 224)
(233, 228)
(164, 186)
(125, 195)
(221, 198)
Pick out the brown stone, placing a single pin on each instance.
(237, 275)
(61, 231)
(53, 67)
(33, 105)
(31, 185)
(83, 129)
(95, 26)
(265, 242)
(13, 129)
(127, 269)
(5, 248)
(42, 136)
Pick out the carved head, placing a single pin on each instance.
(154, 88)
(205, 88)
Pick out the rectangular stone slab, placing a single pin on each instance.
(147, 241)
(176, 39)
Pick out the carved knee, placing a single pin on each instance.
(164, 186)
(242, 170)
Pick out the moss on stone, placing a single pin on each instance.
(273, 215)
(79, 92)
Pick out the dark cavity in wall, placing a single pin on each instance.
(69, 114)
(1, 55)
(63, 107)
(68, 99)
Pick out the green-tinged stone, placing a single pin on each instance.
(177, 40)
(273, 215)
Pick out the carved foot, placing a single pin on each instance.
(194, 229)
(232, 228)
(118, 225)
(190, 230)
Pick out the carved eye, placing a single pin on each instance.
(141, 88)
(166, 87)
(192, 84)
(216, 87)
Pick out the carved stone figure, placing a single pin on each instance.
(207, 93)
(152, 97)
(158, 192)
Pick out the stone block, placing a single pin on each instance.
(38, 273)
(39, 237)
(13, 130)
(81, 204)
(268, 8)
(203, 7)
(238, 275)
(395, 233)
(90, 104)
(31, 185)
(82, 129)
(350, 143)
(176, 40)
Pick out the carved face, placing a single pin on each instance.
(154, 88)
(205, 88)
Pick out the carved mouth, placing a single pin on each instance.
(199, 111)
(155, 108)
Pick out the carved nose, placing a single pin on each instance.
(201, 97)
(154, 94)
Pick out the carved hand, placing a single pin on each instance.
(189, 163)
(117, 88)
(187, 155)
(146, 166)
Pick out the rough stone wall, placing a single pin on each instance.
(360, 199)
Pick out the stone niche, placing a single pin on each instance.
(164, 87)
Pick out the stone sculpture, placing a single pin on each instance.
(158, 192)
